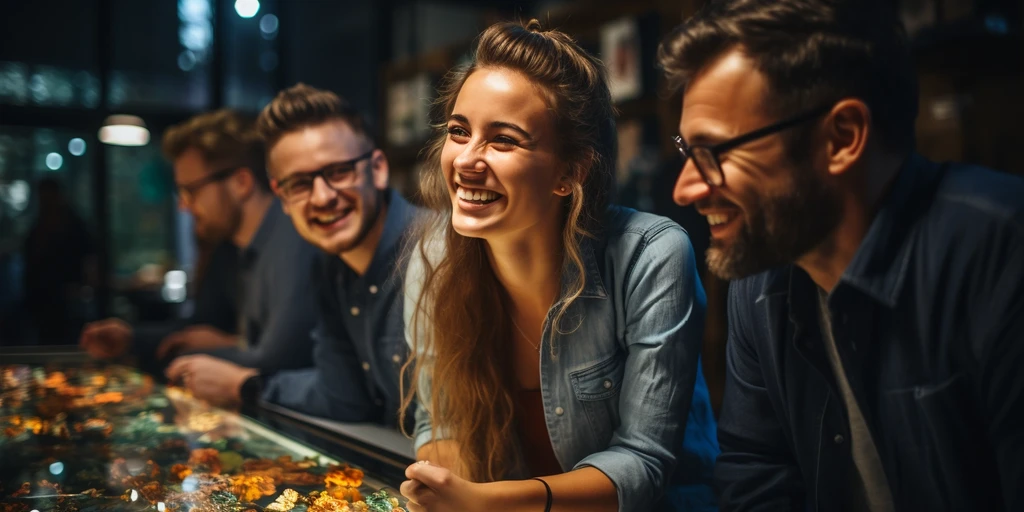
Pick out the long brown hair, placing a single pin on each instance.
(460, 337)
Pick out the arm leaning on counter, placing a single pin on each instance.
(277, 309)
(359, 344)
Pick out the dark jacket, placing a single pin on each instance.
(929, 323)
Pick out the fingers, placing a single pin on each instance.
(434, 477)
(170, 345)
(178, 368)
(106, 338)
(417, 494)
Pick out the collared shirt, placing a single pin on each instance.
(928, 319)
(216, 305)
(273, 290)
(360, 344)
(216, 302)
(618, 393)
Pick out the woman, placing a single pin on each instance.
(554, 336)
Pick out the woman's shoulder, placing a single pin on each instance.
(629, 239)
(626, 225)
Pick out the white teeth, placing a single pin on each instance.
(715, 219)
(327, 220)
(476, 195)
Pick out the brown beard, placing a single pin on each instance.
(368, 216)
(782, 228)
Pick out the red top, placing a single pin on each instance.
(533, 434)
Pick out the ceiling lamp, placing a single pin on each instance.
(122, 130)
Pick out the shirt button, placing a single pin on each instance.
(373, 288)
(607, 384)
(559, 411)
(354, 311)
(838, 439)
(366, 366)
(396, 358)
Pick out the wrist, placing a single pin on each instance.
(514, 496)
(250, 386)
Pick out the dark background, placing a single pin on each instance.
(65, 65)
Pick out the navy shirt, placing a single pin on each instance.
(360, 340)
(272, 287)
(928, 320)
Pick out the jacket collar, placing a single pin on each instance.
(879, 267)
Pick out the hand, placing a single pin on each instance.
(193, 339)
(435, 489)
(106, 339)
(214, 380)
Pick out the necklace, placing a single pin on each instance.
(525, 337)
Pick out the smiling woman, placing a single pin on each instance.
(554, 337)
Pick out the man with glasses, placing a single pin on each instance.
(253, 306)
(876, 324)
(333, 183)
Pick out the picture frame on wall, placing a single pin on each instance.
(621, 52)
(408, 113)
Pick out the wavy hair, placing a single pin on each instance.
(464, 329)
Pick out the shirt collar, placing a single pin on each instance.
(879, 268)
(265, 232)
(399, 219)
(593, 286)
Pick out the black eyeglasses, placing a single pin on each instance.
(338, 176)
(189, 190)
(705, 157)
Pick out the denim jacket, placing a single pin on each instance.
(617, 392)
(929, 322)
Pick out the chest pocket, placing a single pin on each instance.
(597, 390)
(935, 430)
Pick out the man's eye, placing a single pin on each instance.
(300, 185)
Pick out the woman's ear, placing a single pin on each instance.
(564, 186)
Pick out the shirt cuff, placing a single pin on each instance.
(631, 478)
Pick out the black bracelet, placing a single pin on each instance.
(547, 508)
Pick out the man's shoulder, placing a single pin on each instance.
(975, 199)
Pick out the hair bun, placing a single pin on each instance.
(533, 25)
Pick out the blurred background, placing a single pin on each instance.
(95, 223)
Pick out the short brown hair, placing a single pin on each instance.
(811, 52)
(300, 106)
(224, 138)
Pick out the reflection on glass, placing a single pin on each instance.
(48, 86)
(128, 439)
(141, 209)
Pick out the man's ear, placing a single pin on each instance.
(379, 170)
(846, 130)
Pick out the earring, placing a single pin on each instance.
(561, 189)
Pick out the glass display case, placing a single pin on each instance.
(86, 436)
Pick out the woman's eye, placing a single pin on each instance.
(505, 140)
(456, 131)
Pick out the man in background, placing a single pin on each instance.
(60, 260)
(221, 180)
(333, 183)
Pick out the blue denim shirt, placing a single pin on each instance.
(928, 319)
(618, 392)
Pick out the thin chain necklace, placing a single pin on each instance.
(525, 337)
